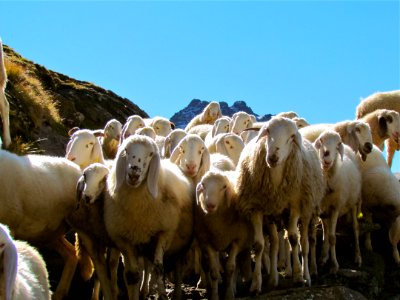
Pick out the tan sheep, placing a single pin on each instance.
(4, 105)
(382, 100)
(208, 116)
(110, 139)
(278, 171)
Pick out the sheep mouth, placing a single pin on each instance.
(133, 179)
(210, 208)
(326, 165)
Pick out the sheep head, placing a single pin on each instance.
(329, 145)
(132, 124)
(281, 135)
(389, 124)
(9, 262)
(359, 138)
(112, 130)
(230, 145)
(191, 155)
(148, 131)
(211, 113)
(172, 140)
(92, 183)
(213, 191)
(162, 126)
(221, 125)
(138, 161)
(240, 121)
(84, 148)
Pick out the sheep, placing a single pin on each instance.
(148, 131)
(201, 130)
(88, 221)
(208, 116)
(84, 147)
(384, 126)
(219, 227)
(278, 171)
(4, 104)
(382, 100)
(161, 126)
(343, 177)
(300, 122)
(240, 121)
(23, 270)
(110, 139)
(381, 197)
(356, 134)
(221, 125)
(132, 124)
(287, 114)
(149, 201)
(36, 210)
(171, 141)
(228, 144)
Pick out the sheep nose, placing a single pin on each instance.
(71, 157)
(136, 169)
(326, 153)
(210, 206)
(368, 147)
(273, 159)
(191, 167)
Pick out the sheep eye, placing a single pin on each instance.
(227, 142)
(151, 154)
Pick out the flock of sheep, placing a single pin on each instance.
(227, 199)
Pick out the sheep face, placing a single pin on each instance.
(191, 155)
(212, 112)
(132, 124)
(363, 135)
(147, 131)
(329, 145)
(300, 122)
(241, 121)
(162, 126)
(389, 124)
(138, 161)
(221, 126)
(83, 148)
(230, 145)
(91, 184)
(212, 191)
(172, 140)
(281, 136)
(113, 129)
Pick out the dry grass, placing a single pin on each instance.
(18, 146)
(40, 103)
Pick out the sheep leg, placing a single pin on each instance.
(162, 245)
(230, 270)
(4, 111)
(391, 146)
(274, 248)
(257, 222)
(132, 275)
(113, 262)
(367, 242)
(67, 252)
(288, 268)
(313, 246)
(305, 249)
(294, 243)
(325, 242)
(282, 251)
(145, 287)
(358, 259)
(332, 241)
(214, 273)
(265, 258)
(178, 279)
(394, 238)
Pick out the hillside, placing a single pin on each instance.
(44, 105)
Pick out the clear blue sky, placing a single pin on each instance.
(318, 58)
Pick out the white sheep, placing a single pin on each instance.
(240, 121)
(148, 131)
(221, 125)
(36, 210)
(219, 227)
(88, 221)
(208, 116)
(228, 144)
(171, 141)
(161, 125)
(132, 124)
(4, 104)
(84, 147)
(382, 100)
(300, 122)
(385, 127)
(110, 139)
(356, 134)
(150, 201)
(279, 171)
(23, 270)
(343, 177)
(288, 114)
(381, 197)
(201, 130)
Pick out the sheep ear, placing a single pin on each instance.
(79, 190)
(341, 150)
(98, 132)
(120, 169)
(204, 163)
(123, 130)
(228, 195)
(152, 176)
(351, 138)
(382, 128)
(317, 144)
(262, 132)
(214, 129)
(97, 153)
(297, 138)
(73, 130)
(175, 155)
(10, 263)
(221, 147)
(166, 150)
(199, 190)
(173, 126)
(69, 145)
